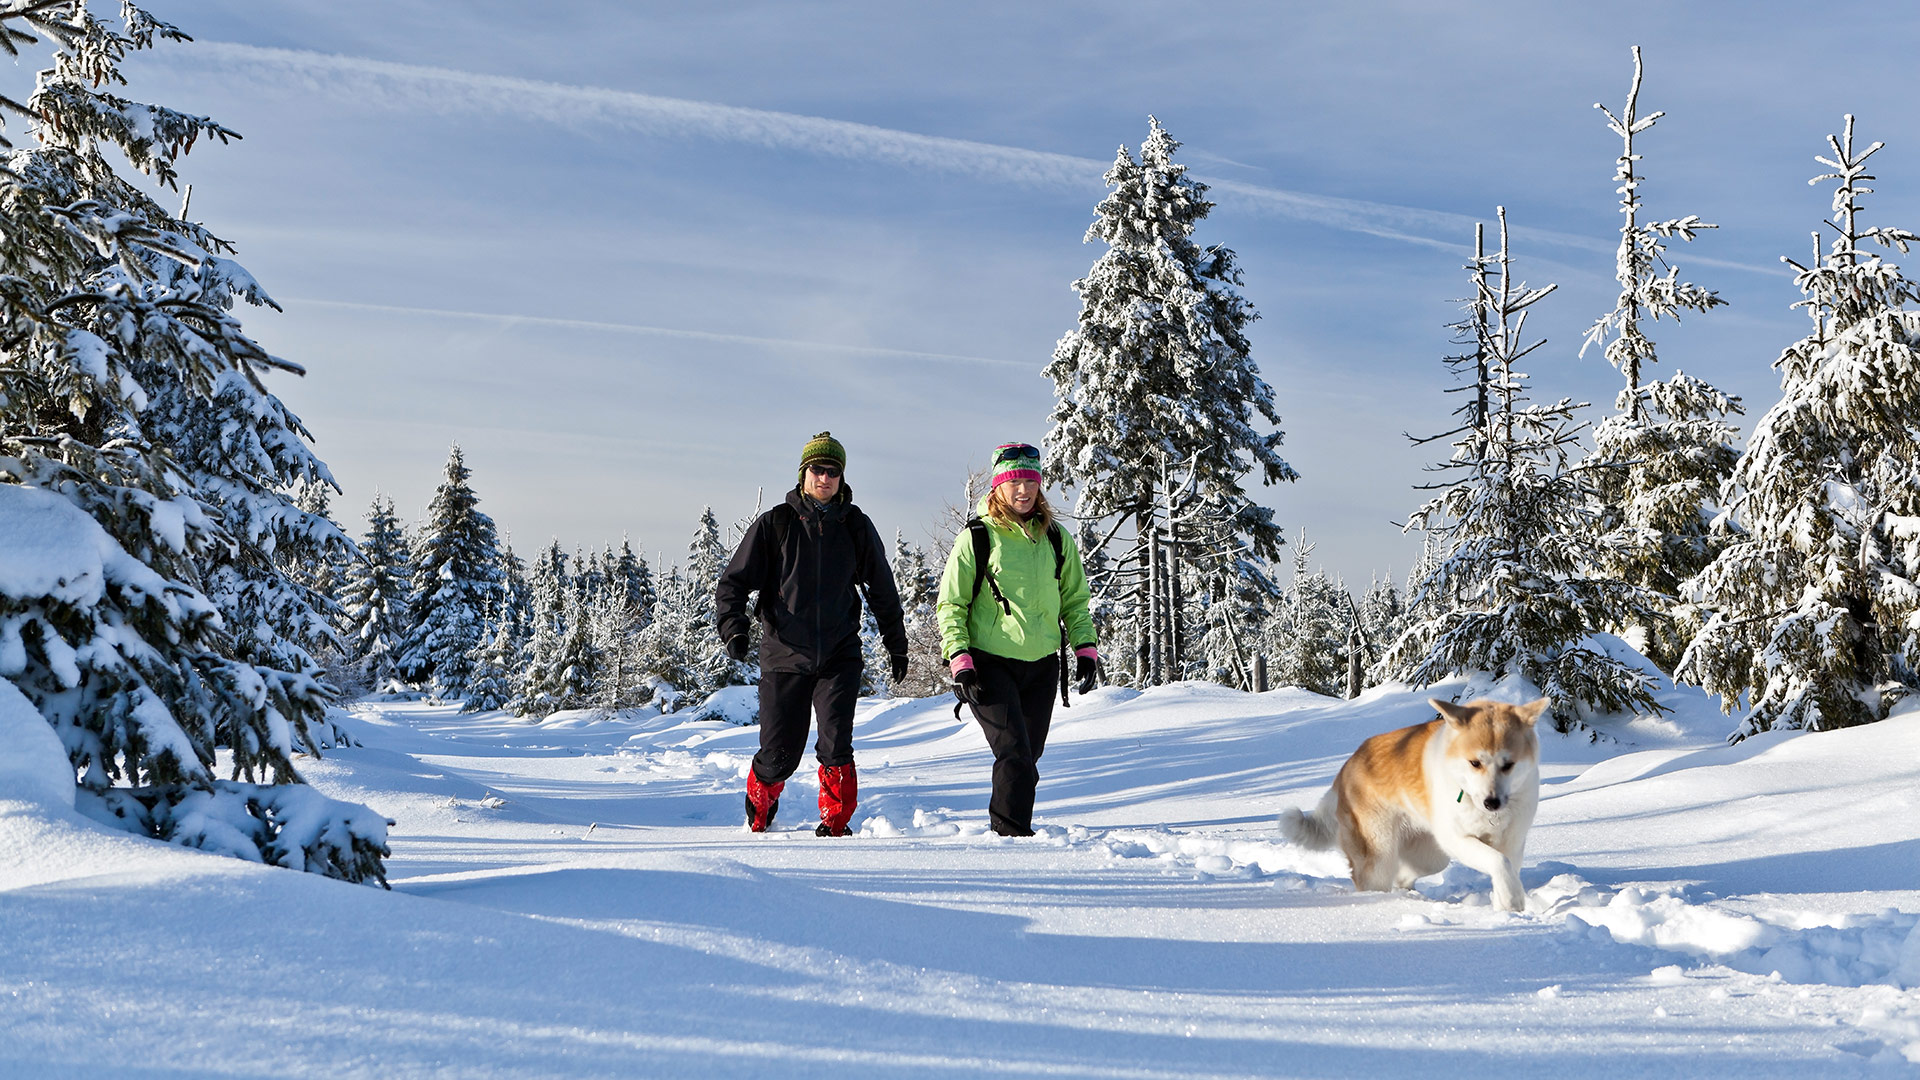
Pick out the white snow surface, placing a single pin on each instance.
(581, 899)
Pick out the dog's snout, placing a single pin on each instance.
(1491, 802)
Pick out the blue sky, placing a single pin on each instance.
(631, 256)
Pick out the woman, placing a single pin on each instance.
(1000, 623)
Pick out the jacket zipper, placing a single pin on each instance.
(819, 542)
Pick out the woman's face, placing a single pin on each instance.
(1021, 495)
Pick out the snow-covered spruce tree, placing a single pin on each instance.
(1815, 605)
(1659, 463)
(456, 581)
(590, 572)
(633, 580)
(377, 599)
(320, 567)
(1510, 585)
(1381, 620)
(150, 621)
(492, 679)
(1310, 639)
(873, 654)
(516, 596)
(670, 642)
(548, 587)
(1237, 607)
(918, 580)
(706, 560)
(580, 665)
(614, 627)
(1157, 377)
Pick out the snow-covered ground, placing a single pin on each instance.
(580, 898)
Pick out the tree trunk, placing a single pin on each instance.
(1353, 661)
(1150, 531)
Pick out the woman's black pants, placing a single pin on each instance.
(1018, 696)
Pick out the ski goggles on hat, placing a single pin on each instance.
(1015, 461)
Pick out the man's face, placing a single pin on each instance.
(823, 481)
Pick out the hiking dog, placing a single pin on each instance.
(1462, 786)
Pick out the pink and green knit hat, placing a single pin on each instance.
(1015, 461)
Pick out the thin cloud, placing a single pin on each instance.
(448, 91)
(509, 320)
(386, 84)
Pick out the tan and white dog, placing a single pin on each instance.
(1463, 786)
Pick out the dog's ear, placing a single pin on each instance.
(1459, 714)
(1531, 712)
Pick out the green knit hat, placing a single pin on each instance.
(823, 447)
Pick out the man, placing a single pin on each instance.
(809, 558)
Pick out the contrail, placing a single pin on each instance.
(444, 90)
(508, 319)
(385, 84)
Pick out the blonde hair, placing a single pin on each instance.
(1000, 511)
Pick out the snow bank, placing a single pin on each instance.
(1796, 947)
(732, 704)
(33, 765)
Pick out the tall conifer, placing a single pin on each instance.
(1659, 463)
(1815, 602)
(135, 422)
(1508, 586)
(458, 582)
(1157, 379)
(377, 601)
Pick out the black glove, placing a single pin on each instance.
(899, 664)
(1083, 671)
(737, 647)
(966, 686)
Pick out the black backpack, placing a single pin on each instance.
(983, 554)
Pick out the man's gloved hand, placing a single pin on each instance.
(1085, 666)
(899, 665)
(737, 647)
(966, 686)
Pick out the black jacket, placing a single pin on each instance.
(809, 585)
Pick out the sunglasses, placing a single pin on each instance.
(1016, 452)
(831, 472)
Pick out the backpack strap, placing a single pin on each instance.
(780, 520)
(1059, 578)
(982, 568)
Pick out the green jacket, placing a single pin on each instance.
(1023, 567)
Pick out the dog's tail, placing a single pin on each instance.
(1315, 830)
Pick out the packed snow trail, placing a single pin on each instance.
(580, 898)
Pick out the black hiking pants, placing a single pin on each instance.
(789, 700)
(1015, 718)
